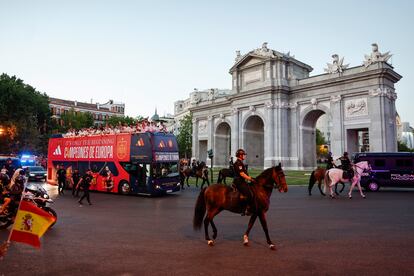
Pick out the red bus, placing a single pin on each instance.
(140, 163)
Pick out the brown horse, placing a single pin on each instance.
(318, 176)
(223, 174)
(219, 197)
(186, 172)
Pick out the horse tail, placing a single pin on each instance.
(220, 177)
(327, 179)
(199, 210)
(312, 181)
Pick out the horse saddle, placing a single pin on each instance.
(236, 193)
(348, 174)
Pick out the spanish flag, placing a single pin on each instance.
(30, 224)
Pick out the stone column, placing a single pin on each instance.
(195, 146)
(382, 131)
(235, 133)
(269, 152)
(337, 134)
(210, 139)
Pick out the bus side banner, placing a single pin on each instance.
(92, 148)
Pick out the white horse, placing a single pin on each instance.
(334, 176)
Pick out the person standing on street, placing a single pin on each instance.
(85, 183)
(75, 181)
(61, 176)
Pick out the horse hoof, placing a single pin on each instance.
(272, 247)
(245, 240)
(350, 197)
(210, 243)
(364, 197)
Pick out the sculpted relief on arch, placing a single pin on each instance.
(356, 107)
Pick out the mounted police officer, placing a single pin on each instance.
(329, 161)
(346, 165)
(241, 177)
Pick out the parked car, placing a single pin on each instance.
(36, 173)
(389, 169)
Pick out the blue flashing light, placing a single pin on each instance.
(26, 156)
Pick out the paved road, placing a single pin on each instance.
(128, 235)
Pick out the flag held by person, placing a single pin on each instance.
(30, 224)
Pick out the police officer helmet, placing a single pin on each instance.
(240, 152)
(345, 153)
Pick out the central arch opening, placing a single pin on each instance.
(254, 141)
(222, 145)
(315, 138)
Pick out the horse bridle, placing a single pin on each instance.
(279, 175)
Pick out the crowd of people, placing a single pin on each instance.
(139, 127)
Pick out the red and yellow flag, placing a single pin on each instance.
(30, 224)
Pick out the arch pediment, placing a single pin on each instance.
(248, 60)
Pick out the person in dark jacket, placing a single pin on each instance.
(240, 180)
(61, 177)
(75, 181)
(84, 184)
(329, 162)
(346, 166)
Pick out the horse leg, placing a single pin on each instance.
(360, 190)
(187, 177)
(319, 186)
(209, 220)
(262, 217)
(350, 189)
(343, 187)
(214, 229)
(249, 227)
(196, 181)
(224, 180)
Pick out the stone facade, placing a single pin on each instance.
(274, 106)
(100, 112)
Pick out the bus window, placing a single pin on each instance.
(404, 163)
(162, 170)
(379, 163)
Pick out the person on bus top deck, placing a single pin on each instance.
(240, 179)
(329, 162)
(346, 166)
(85, 183)
(15, 189)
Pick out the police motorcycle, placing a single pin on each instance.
(33, 193)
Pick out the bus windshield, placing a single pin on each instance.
(164, 170)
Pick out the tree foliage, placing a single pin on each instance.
(185, 136)
(24, 117)
(115, 120)
(76, 120)
(403, 147)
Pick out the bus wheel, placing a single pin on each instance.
(124, 188)
(373, 186)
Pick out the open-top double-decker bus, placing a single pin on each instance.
(139, 163)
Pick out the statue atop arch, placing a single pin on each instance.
(376, 56)
(337, 65)
(264, 51)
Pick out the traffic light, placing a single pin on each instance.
(210, 153)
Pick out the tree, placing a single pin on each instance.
(76, 120)
(403, 147)
(115, 120)
(24, 116)
(185, 136)
(321, 148)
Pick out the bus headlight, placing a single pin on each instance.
(32, 174)
(157, 187)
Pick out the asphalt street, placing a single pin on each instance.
(135, 235)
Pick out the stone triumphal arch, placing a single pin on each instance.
(274, 105)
